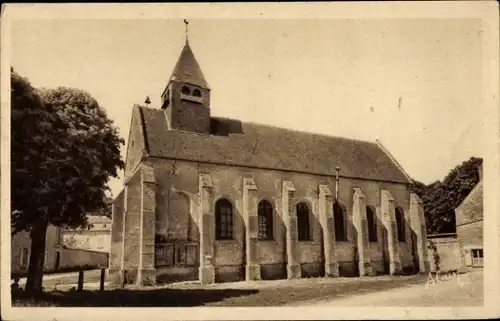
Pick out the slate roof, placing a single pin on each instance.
(237, 143)
(188, 70)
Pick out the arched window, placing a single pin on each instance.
(185, 90)
(371, 220)
(400, 221)
(223, 220)
(339, 221)
(265, 213)
(197, 93)
(303, 224)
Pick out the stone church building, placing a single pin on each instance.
(218, 199)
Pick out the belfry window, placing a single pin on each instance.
(185, 90)
(265, 220)
(303, 223)
(224, 220)
(196, 93)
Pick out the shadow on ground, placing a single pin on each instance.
(131, 298)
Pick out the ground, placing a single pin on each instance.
(413, 290)
(453, 291)
(65, 281)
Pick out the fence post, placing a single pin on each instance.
(80, 280)
(101, 287)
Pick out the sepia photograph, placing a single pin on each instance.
(169, 158)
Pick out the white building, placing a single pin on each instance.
(94, 238)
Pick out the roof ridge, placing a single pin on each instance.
(274, 126)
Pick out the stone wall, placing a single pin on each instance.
(116, 248)
(132, 253)
(68, 258)
(450, 255)
(187, 115)
(74, 258)
(470, 224)
(471, 234)
(135, 144)
(175, 178)
(87, 240)
(470, 237)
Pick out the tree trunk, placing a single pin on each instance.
(38, 237)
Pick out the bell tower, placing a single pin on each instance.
(186, 99)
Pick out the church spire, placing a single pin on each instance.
(187, 69)
(186, 98)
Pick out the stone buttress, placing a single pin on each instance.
(417, 223)
(360, 224)
(207, 230)
(132, 257)
(327, 224)
(250, 214)
(388, 208)
(290, 217)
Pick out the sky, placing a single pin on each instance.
(415, 84)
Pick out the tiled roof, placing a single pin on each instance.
(188, 70)
(251, 145)
(471, 208)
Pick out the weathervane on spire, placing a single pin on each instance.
(186, 22)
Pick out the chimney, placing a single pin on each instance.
(480, 169)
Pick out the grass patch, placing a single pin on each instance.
(277, 294)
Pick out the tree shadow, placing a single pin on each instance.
(135, 298)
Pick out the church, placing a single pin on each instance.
(218, 200)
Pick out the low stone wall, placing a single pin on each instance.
(75, 258)
(449, 251)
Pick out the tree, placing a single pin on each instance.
(440, 199)
(106, 210)
(64, 150)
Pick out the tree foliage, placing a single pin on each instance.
(76, 151)
(64, 151)
(31, 125)
(441, 198)
(106, 210)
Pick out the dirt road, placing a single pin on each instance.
(452, 291)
